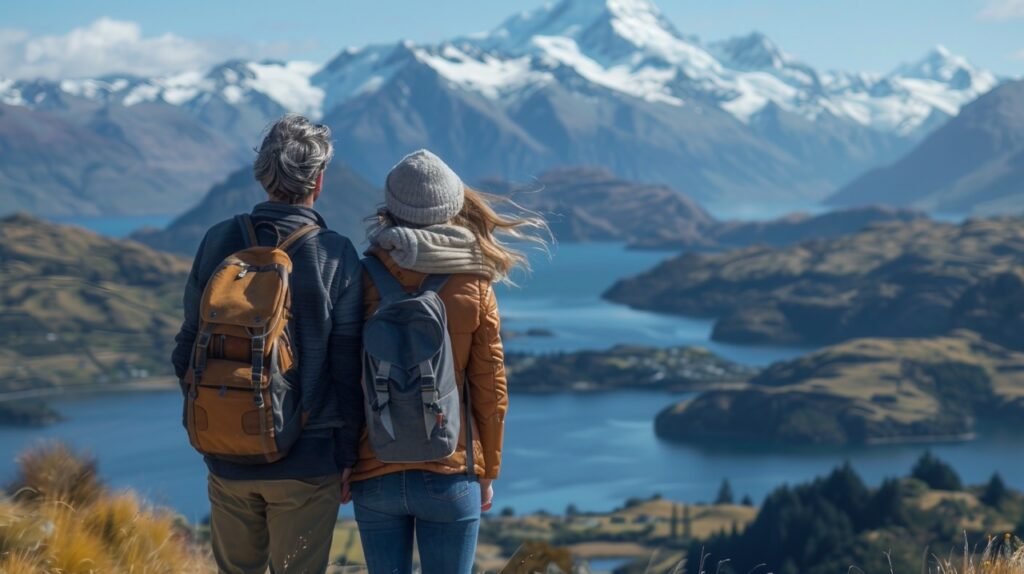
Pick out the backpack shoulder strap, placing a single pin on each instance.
(298, 238)
(386, 283)
(434, 283)
(247, 229)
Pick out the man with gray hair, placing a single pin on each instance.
(282, 514)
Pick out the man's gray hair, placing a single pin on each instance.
(293, 153)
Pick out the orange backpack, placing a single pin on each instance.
(240, 406)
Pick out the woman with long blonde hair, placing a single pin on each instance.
(433, 226)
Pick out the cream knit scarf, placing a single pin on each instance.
(435, 250)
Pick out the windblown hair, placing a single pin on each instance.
(494, 230)
(293, 154)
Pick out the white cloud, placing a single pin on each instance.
(1002, 10)
(1018, 55)
(108, 46)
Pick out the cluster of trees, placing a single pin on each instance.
(824, 526)
(831, 523)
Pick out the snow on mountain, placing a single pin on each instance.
(285, 83)
(909, 97)
(611, 32)
(624, 45)
(627, 46)
(940, 65)
(8, 95)
(630, 47)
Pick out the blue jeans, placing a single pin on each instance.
(443, 511)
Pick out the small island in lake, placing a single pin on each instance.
(861, 392)
(919, 278)
(624, 367)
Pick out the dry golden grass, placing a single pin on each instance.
(1002, 555)
(19, 563)
(53, 473)
(62, 521)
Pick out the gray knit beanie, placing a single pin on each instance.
(422, 189)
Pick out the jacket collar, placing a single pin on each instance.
(298, 213)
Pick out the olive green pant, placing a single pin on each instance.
(286, 524)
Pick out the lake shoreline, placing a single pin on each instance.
(143, 385)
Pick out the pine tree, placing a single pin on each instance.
(747, 501)
(995, 491)
(724, 493)
(935, 473)
(674, 528)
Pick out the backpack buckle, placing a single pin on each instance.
(431, 394)
(427, 372)
(199, 360)
(383, 374)
(258, 347)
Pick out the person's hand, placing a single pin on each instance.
(346, 486)
(486, 494)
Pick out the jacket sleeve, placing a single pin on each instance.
(485, 374)
(186, 337)
(345, 357)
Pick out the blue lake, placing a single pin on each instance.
(115, 226)
(594, 451)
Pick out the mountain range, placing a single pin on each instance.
(972, 164)
(608, 83)
(580, 204)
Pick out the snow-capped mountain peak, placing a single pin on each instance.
(624, 46)
(751, 52)
(941, 65)
(572, 18)
(286, 84)
(610, 32)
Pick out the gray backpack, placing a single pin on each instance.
(412, 400)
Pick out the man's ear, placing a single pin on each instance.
(319, 186)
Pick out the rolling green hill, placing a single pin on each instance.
(77, 308)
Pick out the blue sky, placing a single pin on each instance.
(873, 35)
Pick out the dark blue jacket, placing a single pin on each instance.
(327, 322)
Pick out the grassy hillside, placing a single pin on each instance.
(862, 391)
(911, 279)
(78, 308)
